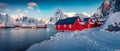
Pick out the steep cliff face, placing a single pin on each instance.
(107, 7)
(103, 10)
(109, 11)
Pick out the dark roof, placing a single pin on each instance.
(70, 20)
(85, 19)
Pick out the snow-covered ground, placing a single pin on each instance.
(85, 40)
(115, 17)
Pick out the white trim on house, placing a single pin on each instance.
(91, 22)
(82, 23)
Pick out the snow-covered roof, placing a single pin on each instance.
(91, 22)
(94, 20)
(69, 20)
(82, 23)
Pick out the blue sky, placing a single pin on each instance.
(46, 8)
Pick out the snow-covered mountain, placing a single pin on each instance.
(113, 16)
(28, 21)
(58, 15)
(109, 10)
(107, 7)
(103, 10)
(5, 20)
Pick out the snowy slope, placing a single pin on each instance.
(115, 17)
(86, 40)
(109, 11)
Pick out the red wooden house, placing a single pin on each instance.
(88, 23)
(76, 23)
(72, 23)
(98, 22)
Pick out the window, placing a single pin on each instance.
(64, 25)
(70, 26)
(58, 26)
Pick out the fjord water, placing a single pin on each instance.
(20, 39)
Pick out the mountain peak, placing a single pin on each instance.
(58, 11)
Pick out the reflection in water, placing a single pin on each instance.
(19, 39)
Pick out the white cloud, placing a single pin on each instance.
(31, 5)
(82, 15)
(86, 14)
(70, 14)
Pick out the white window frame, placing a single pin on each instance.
(58, 26)
(70, 26)
(64, 25)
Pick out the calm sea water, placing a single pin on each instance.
(20, 39)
